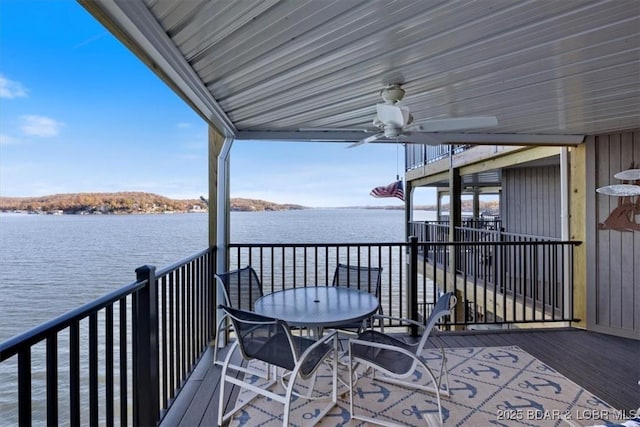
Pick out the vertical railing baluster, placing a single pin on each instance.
(74, 374)
(522, 275)
(108, 364)
(52, 379)
(172, 340)
(413, 282)
(165, 338)
(304, 266)
(282, 268)
(93, 369)
(182, 325)
(261, 264)
(273, 270)
(24, 386)
(124, 394)
(315, 256)
(190, 315)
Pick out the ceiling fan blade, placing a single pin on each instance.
(422, 138)
(455, 123)
(366, 140)
(404, 138)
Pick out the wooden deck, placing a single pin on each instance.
(605, 365)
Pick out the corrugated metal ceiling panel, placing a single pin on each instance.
(539, 66)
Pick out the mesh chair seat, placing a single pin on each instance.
(270, 351)
(398, 360)
(389, 360)
(270, 340)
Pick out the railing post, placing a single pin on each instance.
(146, 408)
(413, 282)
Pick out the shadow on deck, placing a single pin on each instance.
(607, 366)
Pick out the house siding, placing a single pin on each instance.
(531, 198)
(614, 279)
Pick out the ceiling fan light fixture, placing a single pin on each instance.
(393, 115)
(392, 120)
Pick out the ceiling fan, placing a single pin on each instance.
(393, 120)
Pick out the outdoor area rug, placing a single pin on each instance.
(501, 386)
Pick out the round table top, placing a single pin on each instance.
(318, 306)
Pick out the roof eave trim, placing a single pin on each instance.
(559, 140)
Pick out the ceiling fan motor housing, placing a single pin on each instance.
(392, 94)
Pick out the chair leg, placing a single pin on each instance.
(217, 341)
(431, 419)
(444, 371)
(263, 390)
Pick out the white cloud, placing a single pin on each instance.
(7, 139)
(184, 125)
(40, 126)
(11, 89)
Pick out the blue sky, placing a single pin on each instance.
(80, 113)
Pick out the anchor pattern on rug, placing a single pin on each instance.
(495, 372)
(473, 391)
(501, 354)
(381, 390)
(527, 384)
(416, 413)
(530, 403)
(482, 382)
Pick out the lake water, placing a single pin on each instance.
(52, 264)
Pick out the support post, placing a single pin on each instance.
(455, 221)
(413, 282)
(146, 383)
(219, 207)
(408, 208)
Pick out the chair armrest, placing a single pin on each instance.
(327, 336)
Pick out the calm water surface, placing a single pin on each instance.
(52, 264)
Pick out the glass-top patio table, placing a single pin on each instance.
(318, 307)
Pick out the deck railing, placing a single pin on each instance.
(470, 231)
(418, 155)
(123, 358)
(498, 282)
(120, 359)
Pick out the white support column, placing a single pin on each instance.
(223, 205)
(219, 205)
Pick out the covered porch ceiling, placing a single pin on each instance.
(549, 71)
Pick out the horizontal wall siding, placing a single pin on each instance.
(531, 200)
(616, 305)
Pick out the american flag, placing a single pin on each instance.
(391, 190)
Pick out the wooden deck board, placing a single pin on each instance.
(607, 366)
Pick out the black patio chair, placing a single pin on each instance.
(397, 360)
(270, 340)
(366, 279)
(241, 288)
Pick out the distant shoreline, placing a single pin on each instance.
(148, 203)
(125, 203)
